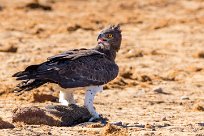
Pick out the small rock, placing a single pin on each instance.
(153, 129)
(1, 8)
(36, 5)
(201, 124)
(120, 108)
(149, 126)
(166, 125)
(158, 90)
(184, 98)
(198, 108)
(163, 125)
(199, 54)
(10, 48)
(164, 119)
(119, 123)
(127, 74)
(145, 78)
(125, 124)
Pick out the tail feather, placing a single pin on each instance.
(29, 85)
(30, 70)
(30, 80)
(29, 73)
(26, 77)
(18, 74)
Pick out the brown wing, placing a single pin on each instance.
(74, 54)
(84, 71)
(80, 70)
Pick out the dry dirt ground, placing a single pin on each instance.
(160, 89)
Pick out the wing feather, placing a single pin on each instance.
(84, 71)
(75, 68)
(74, 54)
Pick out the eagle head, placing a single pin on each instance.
(110, 37)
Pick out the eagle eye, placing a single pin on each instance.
(110, 36)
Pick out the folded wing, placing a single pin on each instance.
(72, 69)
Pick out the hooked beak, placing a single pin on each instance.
(101, 39)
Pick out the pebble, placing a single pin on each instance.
(201, 124)
(184, 98)
(158, 90)
(164, 119)
(149, 126)
(118, 123)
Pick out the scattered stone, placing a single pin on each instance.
(201, 124)
(119, 108)
(155, 52)
(119, 123)
(127, 74)
(5, 124)
(145, 78)
(194, 69)
(138, 125)
(10, 48)
(198, 108)
(163, 125)
(149, 126)
(164, 119)
(36, 5)
(1, 8)
(153, 129)
(199, 54)
(184, 98)
(166, 125)
(158, 90)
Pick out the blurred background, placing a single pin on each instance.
(161, 80)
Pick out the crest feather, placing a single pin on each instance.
(115, 27)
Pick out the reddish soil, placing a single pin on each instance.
(160, 88)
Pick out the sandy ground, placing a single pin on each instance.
(160, 89)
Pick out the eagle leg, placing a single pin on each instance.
(66, 97)
(89, 98)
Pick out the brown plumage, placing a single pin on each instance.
(78, 67)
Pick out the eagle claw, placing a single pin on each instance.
(93, 119)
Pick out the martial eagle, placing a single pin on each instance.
(87, 68)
